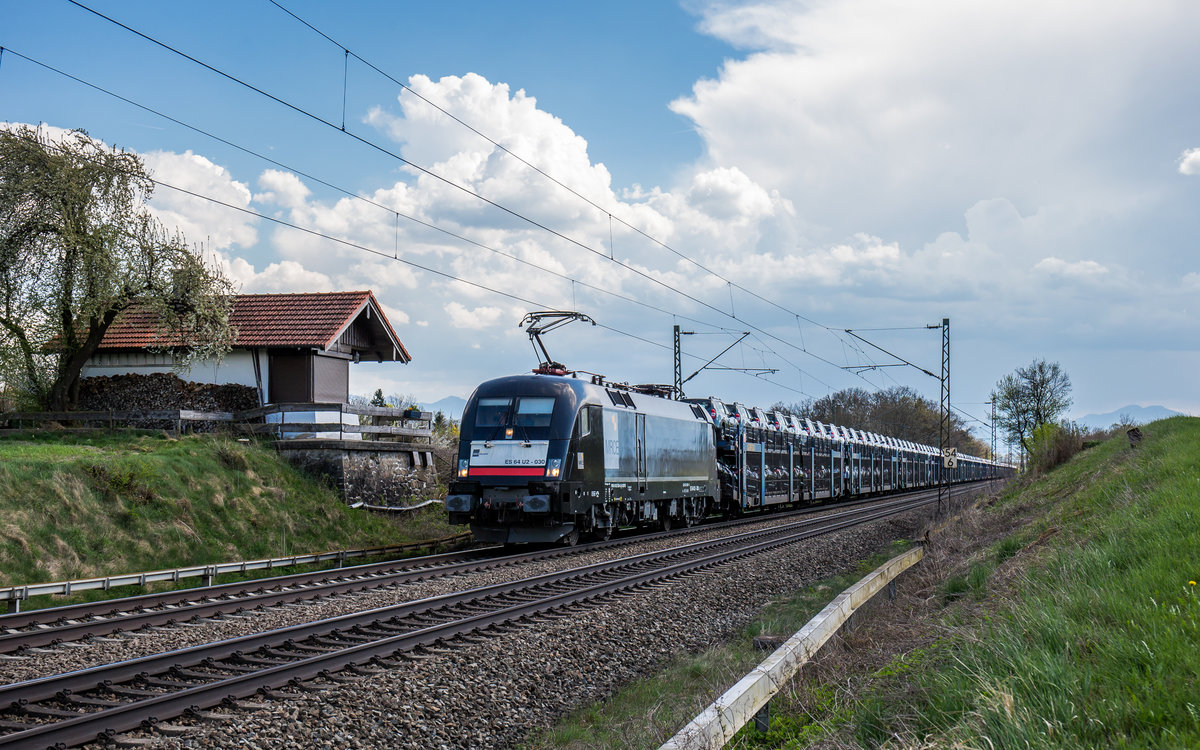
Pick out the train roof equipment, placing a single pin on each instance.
(543, 321)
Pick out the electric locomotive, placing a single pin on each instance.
(549, 458)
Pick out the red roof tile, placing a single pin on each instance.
(264, 320)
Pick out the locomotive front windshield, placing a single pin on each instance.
(493, 412)
(529, 414)
(534, 412)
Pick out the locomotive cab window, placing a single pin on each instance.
(534, 412)
(492, 412)
(589, 417)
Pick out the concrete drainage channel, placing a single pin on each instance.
(749, 700)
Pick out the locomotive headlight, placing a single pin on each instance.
(554, 467)
(508, 432)
(462, 467)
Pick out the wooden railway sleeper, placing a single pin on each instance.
(232, 668)
(260, 661)
(130, 692)
(305, 648)
(86, 701)
(469, 609)
(334, 644)
(36, 709)
(191, 674)
(169, 684)
(15, 726)
(378, 631)
(198, 714)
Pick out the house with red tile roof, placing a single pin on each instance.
(288, 347)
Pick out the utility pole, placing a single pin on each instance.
(678, 383)
(681, 381)
(944, 428)
(993, 423)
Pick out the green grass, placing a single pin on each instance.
(1079, 629)
(1101, 646)
(648, 711)
(75, 505)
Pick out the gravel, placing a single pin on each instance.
(131, 645)
(496, 688)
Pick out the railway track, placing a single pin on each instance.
(96, 703)
(32, 629)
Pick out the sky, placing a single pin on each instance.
(1029, 170)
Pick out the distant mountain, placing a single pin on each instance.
(451, 406)
(1139, 414)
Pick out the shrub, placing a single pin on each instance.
(1053, 445)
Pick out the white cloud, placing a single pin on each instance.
(1082, 269)
(431, 139)
(879, 116)
(282, 276)
(1189, 163)
(478, 318)
(395, 315)
(200, 220)
(727, 193)
(283, 188)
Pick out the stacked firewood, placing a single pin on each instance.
(162, 391)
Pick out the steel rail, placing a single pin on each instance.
(46, 687)
(47, 627)
(52, 626)
(108, 721)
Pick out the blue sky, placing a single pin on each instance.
(1027, 169)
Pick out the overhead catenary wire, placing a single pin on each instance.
(364, 248)
(447, 181)
(347, 54)
(354, 196)
(397, 214)
(546, 174)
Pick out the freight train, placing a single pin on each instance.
(549, 458)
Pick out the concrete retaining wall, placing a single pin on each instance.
(367, 471)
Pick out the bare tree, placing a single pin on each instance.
(1031, 397)
(77, 248)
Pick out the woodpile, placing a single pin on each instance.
(163, 390)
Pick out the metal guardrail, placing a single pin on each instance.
(718, 723)
(14, 595)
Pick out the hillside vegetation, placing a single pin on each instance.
(1085, 629)
(80, 505)
(1063, 613)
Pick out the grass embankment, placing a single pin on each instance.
(1063, 614)
(1085, 629)
(78, 505)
